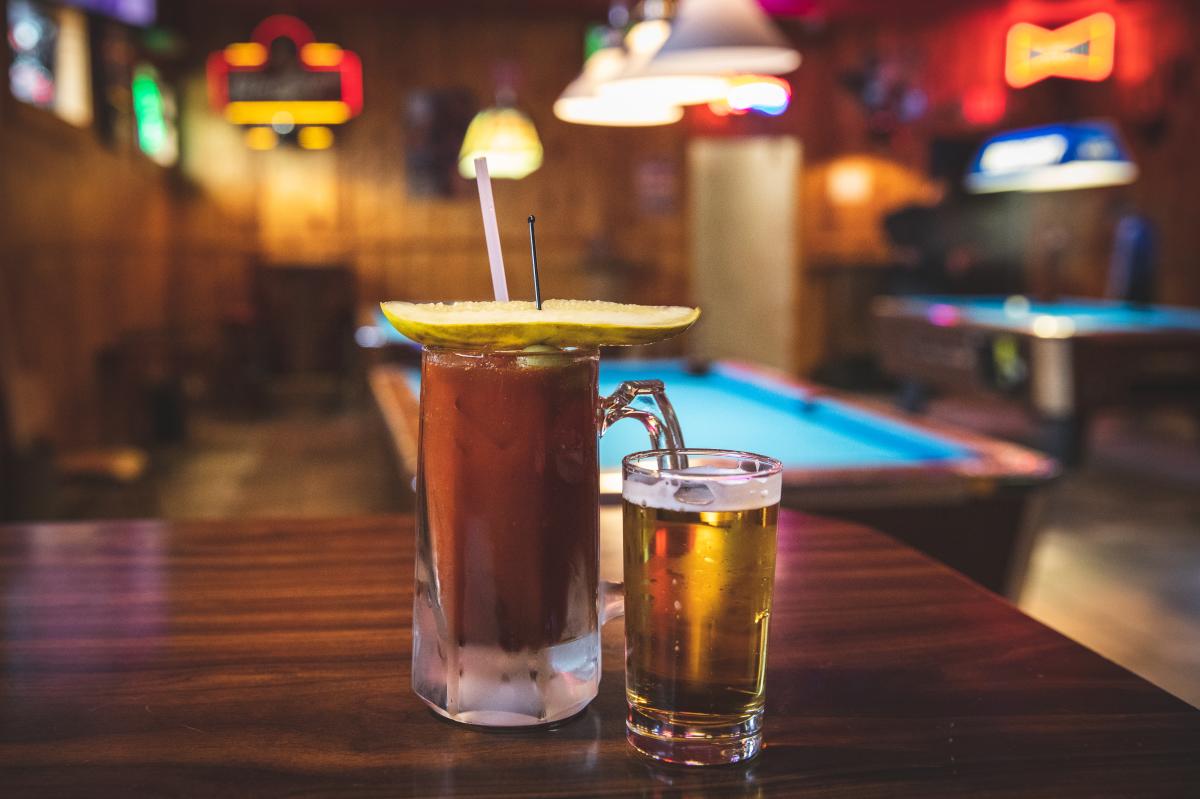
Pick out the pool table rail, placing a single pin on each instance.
(1167, 323)
(1063, 374)
(988, 465)
(401, 412)
(971, 511)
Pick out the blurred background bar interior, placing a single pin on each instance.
(946, 251)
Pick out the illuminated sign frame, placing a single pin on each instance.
(316, 57)
(1081, 50)
(1076, 155)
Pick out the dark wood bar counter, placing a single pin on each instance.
(268, 658)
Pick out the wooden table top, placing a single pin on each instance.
(262, 658)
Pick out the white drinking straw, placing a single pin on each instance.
(491, 231)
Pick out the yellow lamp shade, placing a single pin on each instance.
(507, 138)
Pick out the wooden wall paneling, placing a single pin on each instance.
(85, 252)
(580, 195)
(298, 207)
(135, 249)
(180, 248)
(1153, 95)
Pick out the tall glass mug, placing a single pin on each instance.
(506, 613)
(699, 572)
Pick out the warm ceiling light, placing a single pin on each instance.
(630, 86)
(647, 37)
(709, 40)
(582, 103)
(507, 138)
(724, 36)
(850, 182)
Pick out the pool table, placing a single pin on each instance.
(922, 483)
(1064, 360)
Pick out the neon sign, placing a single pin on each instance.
(154, 111)
(764, 94)
(284, 80)
(132, 12)
(1082, 50)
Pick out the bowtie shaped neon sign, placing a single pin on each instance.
(1082, 50)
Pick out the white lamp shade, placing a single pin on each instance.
(709, 41)
(718, 37)
(674, 90)
(631, 85)
(582, 102)
(507, 138)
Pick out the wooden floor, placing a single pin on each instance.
(306, 459)
(1116, 561)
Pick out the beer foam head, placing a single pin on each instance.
(703, 488)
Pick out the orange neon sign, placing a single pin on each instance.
(308, 83)
(1082, 50)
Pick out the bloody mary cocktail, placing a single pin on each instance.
(506, 629)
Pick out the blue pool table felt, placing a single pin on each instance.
(729, 409)
(1088, 316)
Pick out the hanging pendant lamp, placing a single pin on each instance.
(709, 41)
(582, 102)
(506, 137)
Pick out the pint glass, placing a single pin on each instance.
(699, 571)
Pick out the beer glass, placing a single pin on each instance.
(507, 607)
(699, 554)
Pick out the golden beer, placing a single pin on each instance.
(698, 589)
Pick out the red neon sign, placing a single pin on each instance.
(1082, 50)
(311, 82)
(984, 105)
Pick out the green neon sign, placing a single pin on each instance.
(153, 131)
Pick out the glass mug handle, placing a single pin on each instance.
(613, 408)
